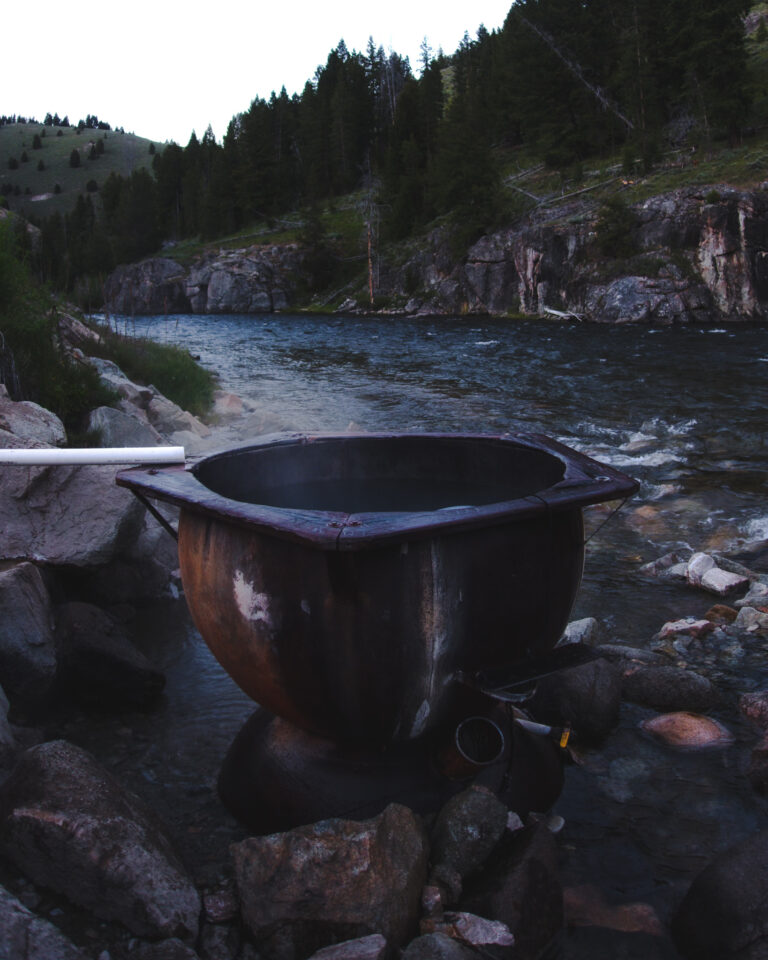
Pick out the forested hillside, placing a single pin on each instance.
(563, 84)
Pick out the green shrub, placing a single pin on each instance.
(31, 364)
(169, 368)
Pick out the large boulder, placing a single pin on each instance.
(467, 829)
(67, 515)
(27, 650)
(23, 936)
(120, 429)
(724, 915)
(587, 697)
(30, 421)
(331, 881)
(98, 666)
(69, 825)
(520, 887)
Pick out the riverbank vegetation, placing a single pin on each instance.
(33, 365)
(564, 98)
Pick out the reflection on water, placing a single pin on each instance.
(682, 410)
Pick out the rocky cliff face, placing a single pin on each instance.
(256, 279)
(698, 254)
(701, 254)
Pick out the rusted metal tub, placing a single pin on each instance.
(350, 584)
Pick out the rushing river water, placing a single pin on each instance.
(682, 410)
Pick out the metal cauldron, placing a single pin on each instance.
(350, 583)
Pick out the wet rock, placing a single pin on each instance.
(721, 613)
(475, 931)
(688, 627)
(120, 429)
(330, 881)
(582, 631)
(623, 654)
(373, 947)
(172, 949)
(27, 650)
(668, 689)
(757, 771)
(586, 906)
(704, 572)
(587, 697)
(98, 664)
(672, 566)
(756, 596)
(754, 706)
(688, 731)
(23, 936)
(752, 620)
(467, 829)
(218, 942)
(69, 825)
(447, 880)
(723, 916)
(437, 946)
(520, 887)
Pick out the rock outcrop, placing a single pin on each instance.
(701, 254)
(256, 279)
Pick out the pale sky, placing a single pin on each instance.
(162, 68)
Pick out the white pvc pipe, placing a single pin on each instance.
(53, 456)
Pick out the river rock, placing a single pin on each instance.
(668, 688)
(689, 627)
(98, 665)
(752, 620)
(723, 916)
(23, 936)
(672, 566)
(171, 949)
(586, 630)
(27, 649)
(467, 829)
(373, 947)
(721, 614)
(756, 596)
(30, 421)
(688, 731)
(437, 946)
(704, 572)
(333, 880)
(120, 429)
(757, 771)
(520, 887)
(473, 930)
(587, 697)
(754, 706)
(69, 825)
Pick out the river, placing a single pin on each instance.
(681, 409)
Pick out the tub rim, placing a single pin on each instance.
(584, 482)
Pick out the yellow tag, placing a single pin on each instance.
(564, 737)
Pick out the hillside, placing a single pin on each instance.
(30, 190)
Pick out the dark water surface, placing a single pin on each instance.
(682, 410)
